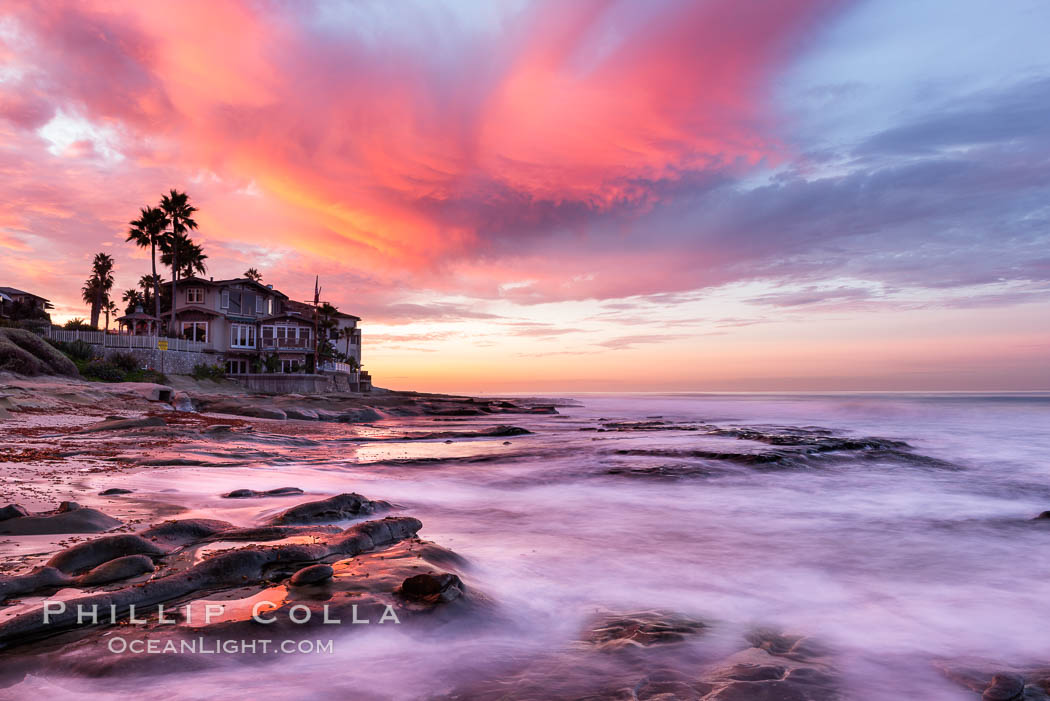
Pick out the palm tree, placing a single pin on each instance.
(190, 255)
(253, 275)
(132, 299)
(96, 288)
(347, 333)
(179, 214)
(109, 308)
(150, 286)
(148, 230)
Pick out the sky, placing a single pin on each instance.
(671, 195)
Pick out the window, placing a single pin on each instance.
(236, 367)
(290, 366)
(242, 336)
(260, 305)
(195, 295)
(195, 330)
(224, 302)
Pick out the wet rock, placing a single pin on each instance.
(218, 428)
(149, 391)
(116, 570)
(113, 491)
(359, 416)
(250, 493)
(300, 414)
(432, 587)
(68, 518)
(39, 578)
(183, 402)
(12, 511)
(314, 574)
(1005, 687)
(337, 508)
(641, 629)
(237, 409)
(124, 424)
(178, 532)
(225, 570)
(775, 642)
(92, 553)
(1043, 516)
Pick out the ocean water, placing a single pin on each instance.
(897, 558)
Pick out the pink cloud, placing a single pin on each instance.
(382, 148)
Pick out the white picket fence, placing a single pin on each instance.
(113, 340)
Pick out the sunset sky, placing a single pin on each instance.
(566, 195)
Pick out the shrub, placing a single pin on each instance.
(78, 350)
(203, 371)
(102, 371)
(125, 361)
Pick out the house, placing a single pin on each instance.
(339, 328)
(19, 304)
(255, 327)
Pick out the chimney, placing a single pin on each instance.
(269, 287)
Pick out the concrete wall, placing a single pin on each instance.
(277, 383)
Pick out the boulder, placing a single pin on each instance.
(68, 518)
(116, 570)
(300, 414)
(26, 353)
(314, 574)
(124, 424)
(1005, 687)
(337, 508)
(113, 491)
(251, 493)
(149, 391)
(178, 532)
(432, 587)
(183, 402)
(38, 578)
(90, 554)
(251, 410)
(12, 511)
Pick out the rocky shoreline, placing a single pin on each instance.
(87, 563)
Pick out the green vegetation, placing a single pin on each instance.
(99, 370)
(97, 287)
(203, 371)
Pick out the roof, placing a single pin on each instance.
(307, 308)
(137, 316)
(194, 280)
(14, 291)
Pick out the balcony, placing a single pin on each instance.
(286, 344)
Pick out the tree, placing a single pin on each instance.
(132, 299)
(148, 230)
(253, 275)
(76, 324)
(179, 214)
(109, 308)
(150, 286)
(190, 255)
(347, 333)
(97, 287)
